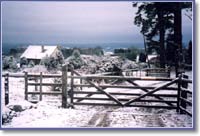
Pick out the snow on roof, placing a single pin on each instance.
(35, 52)
(152, 56)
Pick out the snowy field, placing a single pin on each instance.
(48, 113)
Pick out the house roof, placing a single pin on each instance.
(35, 52)
(152, 56)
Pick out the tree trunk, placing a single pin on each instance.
(162, 37)
(178, 35)
(146, 54)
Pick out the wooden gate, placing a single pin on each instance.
(123, 95)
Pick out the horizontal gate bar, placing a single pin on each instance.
(46, 93)
(186, 80)
(45, 84)
(123, 99)
(124, 86)
(46, 75)
(109, 104)
(132, 94)
(186, 90)
(13, 75)
(123, 78)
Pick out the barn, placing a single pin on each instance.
(35, 53)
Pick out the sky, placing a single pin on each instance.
(73, 22)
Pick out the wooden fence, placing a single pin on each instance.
(153, 72)
(73, 93)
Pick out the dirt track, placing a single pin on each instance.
(115, 118)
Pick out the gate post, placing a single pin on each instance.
(40, 98)
(184, 94)
(72, 86)
(64, 86)
(6, 87)
(26, 85)
(179, 93)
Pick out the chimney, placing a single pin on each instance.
(42, 48)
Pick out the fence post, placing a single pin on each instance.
(184, 94)
(36, 81)
(64, 86)
(168, 72)
(40, 86)
(178, 93)
(26, 85)
(81, 81)
(185, 84)
(72, 85)
(147, 72)
(6, 86)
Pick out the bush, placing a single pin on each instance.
(98, 51)
(53, 62)
(60, 58)
(142, 57)
(49, 62)
(31, 64)
(9, 63)
(66, 52)
(76, 59)
(76, 54)
(23, 62)
(130, 53)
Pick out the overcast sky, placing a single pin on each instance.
(63, 22)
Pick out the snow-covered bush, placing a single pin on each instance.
(76, 54)
(6, 112)
(13, 110)
(51, 63)
(75, 60)
(10, 63)
(59, 57)
(129, 65)
(23, 62)
(31, 64)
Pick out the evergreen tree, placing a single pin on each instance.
(160, 20)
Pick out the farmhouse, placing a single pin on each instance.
(35, 53)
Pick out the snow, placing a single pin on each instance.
(35, 52)
(50, 114)
(45, 115)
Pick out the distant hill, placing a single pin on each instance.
(106, 46)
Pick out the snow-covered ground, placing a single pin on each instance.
(22, 114)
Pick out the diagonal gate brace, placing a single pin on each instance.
(101, 90)
(150, 92)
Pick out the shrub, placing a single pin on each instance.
(23, 62)
(49, 62)
(142, 57)
(53, 62)
(31, 64)
(76, 59)
(9, 63)
(130, 53)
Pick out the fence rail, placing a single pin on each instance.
(155, 72)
